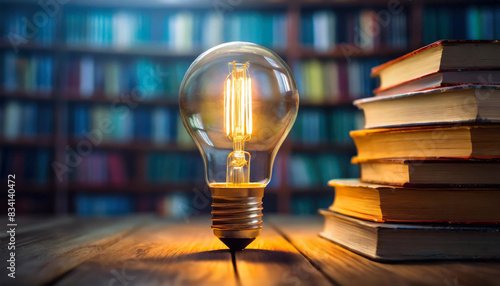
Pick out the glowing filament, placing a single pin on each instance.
(238, 103)
(238, 121)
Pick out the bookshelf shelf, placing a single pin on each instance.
(346, 51)
(132, 187)
(35, 141)
(6, 45)
(145, 50)
(25, 95)
(101, 98)
(325, 147)
(34, 188)
(167, 101)
(139, 146)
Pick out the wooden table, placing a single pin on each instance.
(154, 251)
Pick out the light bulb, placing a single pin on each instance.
(238, 101)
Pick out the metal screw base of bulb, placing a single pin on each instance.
(237, 215)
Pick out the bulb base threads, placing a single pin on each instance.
(237, 215)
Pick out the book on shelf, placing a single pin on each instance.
(277, 173)
(101, 168)
(310, 171)
(330, 81)
(463, 104)
(303, 204)
(176, 205)
(179, 31)
(31, 166)
(112, 168)
(27, 73)
(26, 119)
(402, 242)
(443, 55)
(18, 27)
(97, 204)
(384, 203)
(318, 126)
(323, 30)
(460, 22)
(87, 77)
(158, 125)
(431, 172)
(174, 168)
(464, 141)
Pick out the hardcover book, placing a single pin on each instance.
(443, 55)
(450, 105)
(384, 203)
(397, 242)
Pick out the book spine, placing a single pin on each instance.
(333, 81)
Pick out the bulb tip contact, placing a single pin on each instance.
(236, 244)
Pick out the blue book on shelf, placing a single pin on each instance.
(458, 23)
(81, 120)
(161, 125)
(307, 30)
(142, 124)
(497, 22)
(42, 166)
(198, 21)
(29, 165)
(167, 38)
(29, 119)
(299, 78)
(488, 22)
(10, 81)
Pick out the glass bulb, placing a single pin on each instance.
(238, 101)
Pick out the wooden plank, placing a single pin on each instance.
(271, 260)
(43, 255)
(160, 254)
(347, 268)
(189, 254)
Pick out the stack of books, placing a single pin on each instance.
(429, 157)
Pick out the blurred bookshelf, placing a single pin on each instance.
(74, 65)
